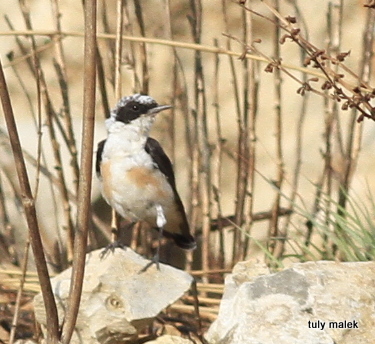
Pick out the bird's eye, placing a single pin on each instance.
(135, 107)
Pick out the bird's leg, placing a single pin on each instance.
(115, 225)
(116, 240)
(160, 222)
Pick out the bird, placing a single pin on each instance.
(136, 176)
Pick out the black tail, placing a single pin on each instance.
(187, 242)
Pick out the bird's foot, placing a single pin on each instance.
(111, 247)
(160, 221)
(155, 260)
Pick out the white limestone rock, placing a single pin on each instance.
(277, 308)
(117, 299)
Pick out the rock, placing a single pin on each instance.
(167, 339)
(310, 303)
(117, 299)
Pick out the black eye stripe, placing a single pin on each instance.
(126, 116)
(132, 110)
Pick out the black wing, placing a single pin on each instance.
(182, 237)
(99, 157)
(161, 160)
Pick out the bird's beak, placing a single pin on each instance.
(155, 110)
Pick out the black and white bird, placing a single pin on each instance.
(136, 176)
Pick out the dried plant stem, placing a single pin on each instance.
(164, 42)
(102, 85)
(118, 57)
(206, 300)
(131, 52)
(145, 74)
(110, 45)
(242, 152)
(50, 176)
(60, 173)
(60, 67)
(115, 218)
(135, 235)
(277, 243)
(211, 287)
(179, 96)
(212, 271)
(50, 114)
(217, 166)
(335, 144)
(203, 149)
(41, 155)
(352, 97)
(19, 293)
(174, 82)
(236, 92)
(299, 134)
(253, 86)
(354, 133)
(31, 216)
(208, 313)
(248, 123)
(84, 190)
(67, 132)
(198, 319)
(7, 235)
(32, 64)
(366, 69)
(192, 143)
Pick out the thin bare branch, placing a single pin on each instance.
(60, 67)
(165, 42)
(31, 216)
(85, 180)
(145, 72)
(19, 293)
(203, 171)
(217, 158)
(277, 246)
(118, 57)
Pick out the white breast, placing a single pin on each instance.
(130, 182)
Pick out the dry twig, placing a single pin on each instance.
(30, 212)
(84, 188)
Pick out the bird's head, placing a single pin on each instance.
(137, 111)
